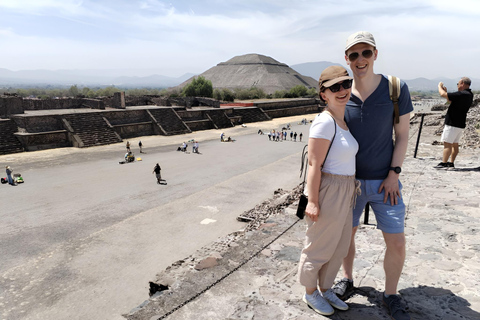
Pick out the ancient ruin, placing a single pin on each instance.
(254, 70)
(33, 124)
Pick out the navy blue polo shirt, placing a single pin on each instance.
(371, 123)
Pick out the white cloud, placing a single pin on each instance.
(415, 38)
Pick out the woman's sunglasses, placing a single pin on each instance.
(365, 53)
(346, 84)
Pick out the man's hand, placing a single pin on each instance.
(392, 188)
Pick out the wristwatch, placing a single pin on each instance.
(396, 169)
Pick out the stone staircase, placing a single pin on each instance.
(169, 120)
(8, 142)
(251, 114)
(219, 118)
(92, 129)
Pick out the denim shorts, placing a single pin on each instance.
(390, 219)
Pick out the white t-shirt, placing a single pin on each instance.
(341, 158)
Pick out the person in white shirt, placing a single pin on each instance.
(331, 189)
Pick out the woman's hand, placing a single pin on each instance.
(312, 211)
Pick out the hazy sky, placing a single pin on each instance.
(415, 38)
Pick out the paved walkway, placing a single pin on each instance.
(440, 278)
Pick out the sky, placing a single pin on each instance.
(415, 38)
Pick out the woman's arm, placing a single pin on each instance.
(317, 150)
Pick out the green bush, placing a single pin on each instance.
(199, 87)
(298, 91)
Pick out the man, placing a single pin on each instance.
(158, 175)
(370, 117)
(455, 119)
(9, 175)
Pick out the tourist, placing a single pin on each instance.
(128, 145)
(378, 163)
(157, 170)
(291, 135)
(222, 137)
(295, 137)
(140, 145)
(331, 189)
(455, 119)
(9, 175)
(300, 136)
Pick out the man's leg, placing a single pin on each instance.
(454, 152)
(394, 260)
(447, 151)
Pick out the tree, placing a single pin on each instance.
(199, 87)
(73, 91)
(298, 91)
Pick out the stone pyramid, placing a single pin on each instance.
(254, 70)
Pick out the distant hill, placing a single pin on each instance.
(122, 78)
(314, 69)
(128, 78)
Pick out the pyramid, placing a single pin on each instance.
(254, 70)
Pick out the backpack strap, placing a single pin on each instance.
(394, 90)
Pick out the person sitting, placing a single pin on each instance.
(129, 157)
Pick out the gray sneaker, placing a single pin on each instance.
(395, 308)
(343, 289)
(334, 301)
(318, 303)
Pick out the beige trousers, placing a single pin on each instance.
(327, 240)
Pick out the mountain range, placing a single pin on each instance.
(127, 78)
(314, 69)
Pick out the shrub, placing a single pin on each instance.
(199, 87)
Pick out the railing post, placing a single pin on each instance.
(367, 209)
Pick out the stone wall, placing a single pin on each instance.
(10, 105)
(286, 103)
(126, 116)
(45, 140)
(37, 124)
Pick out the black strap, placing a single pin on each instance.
(304, 163)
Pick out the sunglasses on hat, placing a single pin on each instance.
(365, 53)
(346, 84)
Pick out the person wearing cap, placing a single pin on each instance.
(370, 116)
(455, 119)
(331, 189)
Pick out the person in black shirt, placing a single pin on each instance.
(455, 119)
(157, 170)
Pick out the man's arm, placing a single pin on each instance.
(442, 90)
(392, 188)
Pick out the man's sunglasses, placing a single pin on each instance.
(365, 53)
(346, 84)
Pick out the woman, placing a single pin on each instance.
(331, 189)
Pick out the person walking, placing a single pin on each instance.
(378, 164)
(128, 145)
(331, 189)
(295, 137)
(300, 136)
(140, 145)
(455, 120)
(157, 170)
(291, 135)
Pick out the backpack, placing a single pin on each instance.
(394, 90)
